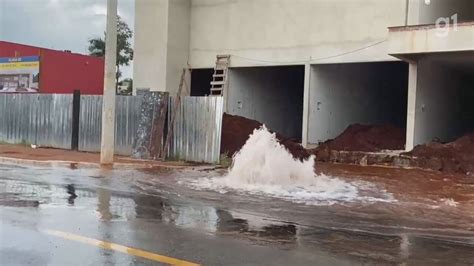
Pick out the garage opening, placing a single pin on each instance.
(444, 97)
(344, 95)
(270, 95)
(201, 81)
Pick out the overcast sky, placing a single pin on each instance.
(59, 24)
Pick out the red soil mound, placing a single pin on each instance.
(368, 138)
(236, 131)
(456, 156)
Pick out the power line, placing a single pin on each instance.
(349, 52)
(311, 59)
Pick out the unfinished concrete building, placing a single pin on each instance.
(440, 53)
(309, 69)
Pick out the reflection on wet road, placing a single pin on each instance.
(150, 211)
(120, 248)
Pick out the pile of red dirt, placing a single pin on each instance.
(368, 138)
(454, 157)
(363, 138)
(236, 131)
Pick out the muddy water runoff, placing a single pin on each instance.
(361, 214)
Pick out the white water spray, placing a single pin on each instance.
(264, 166)
(264, 161)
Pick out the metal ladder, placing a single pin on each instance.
(219, 78)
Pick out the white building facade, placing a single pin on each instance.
(310, 68)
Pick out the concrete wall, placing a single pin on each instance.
(405, 42)
(271, 95)
(178, 42)
(161, 43)
(151, 29)
(366, 93)
(446, 8)
(291, 31)
(439, 112)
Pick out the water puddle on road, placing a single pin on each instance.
(396, 226)
(265, 167)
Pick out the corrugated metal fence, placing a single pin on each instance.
(196, 133)
(42, 119)
(127, 112)
(46, 120)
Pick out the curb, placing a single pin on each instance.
(73, 164)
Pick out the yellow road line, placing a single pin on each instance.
(120, 248)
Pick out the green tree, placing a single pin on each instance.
(126, 82)
(124, 47)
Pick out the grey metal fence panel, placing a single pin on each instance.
(127, 111)
(127, 115)
(42, 119)
(54, 126)
(196, 134)
(90, 122)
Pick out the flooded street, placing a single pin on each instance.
(47, 212)
(237, 132)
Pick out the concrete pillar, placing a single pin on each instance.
(411, 110)
(161, 43)
(108, 99)
(413, 11)
(304, 134)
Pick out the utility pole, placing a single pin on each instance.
(108, 99)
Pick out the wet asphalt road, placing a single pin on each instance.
(58, 216)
